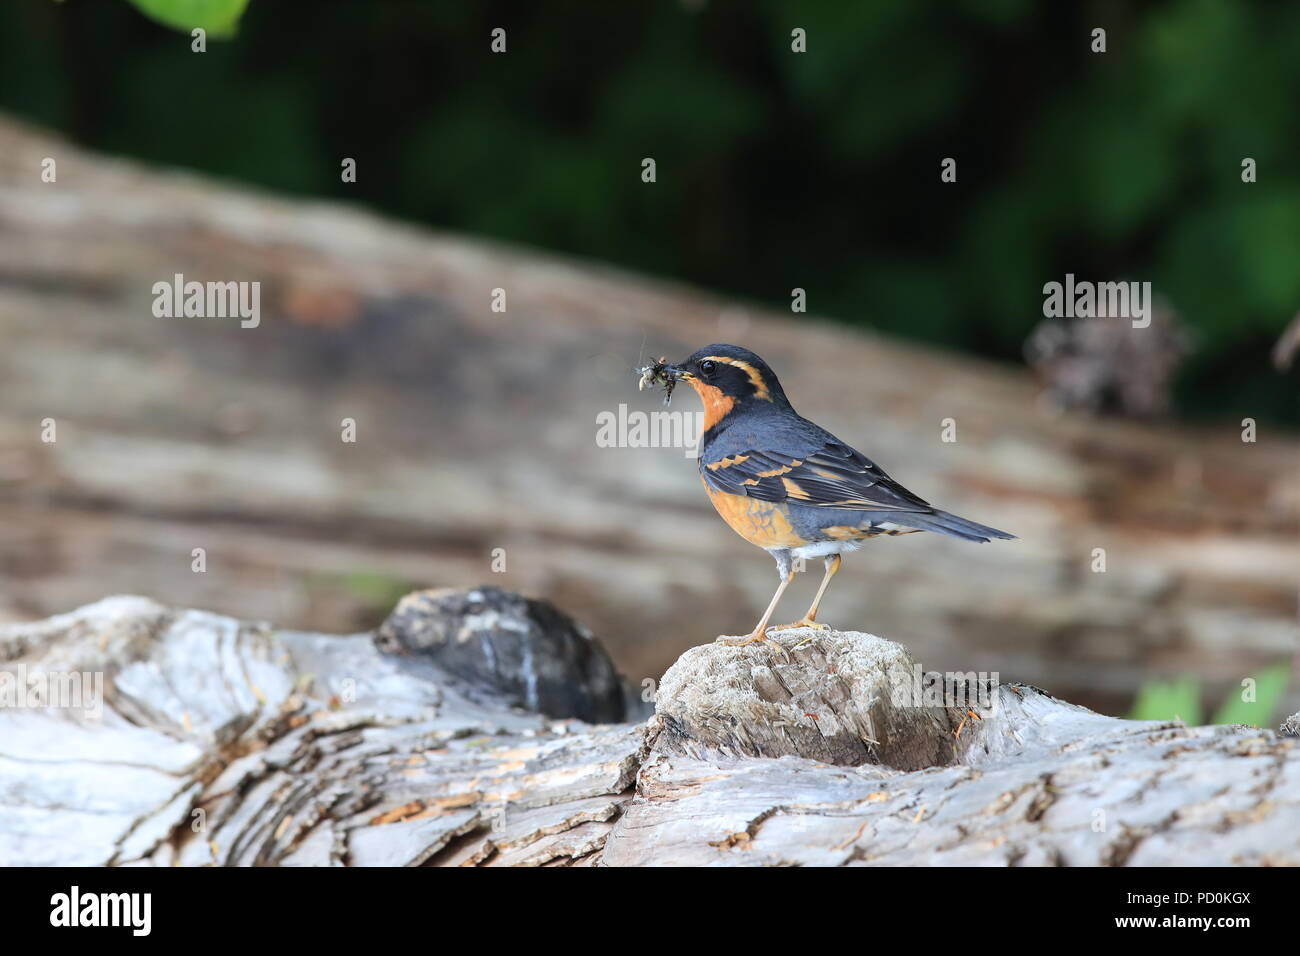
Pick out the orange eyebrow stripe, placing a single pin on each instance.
(755, 376)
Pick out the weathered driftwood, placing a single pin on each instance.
(223, 742)
(476, 430)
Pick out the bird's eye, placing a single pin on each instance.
(707, 367)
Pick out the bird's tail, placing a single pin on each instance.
(949, 524)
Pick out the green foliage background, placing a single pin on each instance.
(775, 170)
(1181, 699)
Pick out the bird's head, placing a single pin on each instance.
(728, 378)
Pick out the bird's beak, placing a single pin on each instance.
(678, 372)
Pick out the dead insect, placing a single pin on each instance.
(658, 373)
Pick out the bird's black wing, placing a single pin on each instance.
(832, 476)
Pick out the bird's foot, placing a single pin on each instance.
(806, 622)
(740, 641)
(753, 638)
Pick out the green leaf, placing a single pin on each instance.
(1161, 700)
(378, 590)
(218, 17)
(1269, 687)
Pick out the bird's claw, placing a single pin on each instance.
(806, 622)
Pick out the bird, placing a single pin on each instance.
(788, 485)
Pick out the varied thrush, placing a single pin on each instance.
(786, 484)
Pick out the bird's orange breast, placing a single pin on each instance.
(763, 523)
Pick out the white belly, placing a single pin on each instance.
(822, 549)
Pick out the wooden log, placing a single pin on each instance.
(224, 742)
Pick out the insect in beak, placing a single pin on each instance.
(660, 373)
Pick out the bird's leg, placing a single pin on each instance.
(832, 567)
(810, 619)
(759, 632)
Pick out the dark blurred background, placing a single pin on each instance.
(775, 170)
